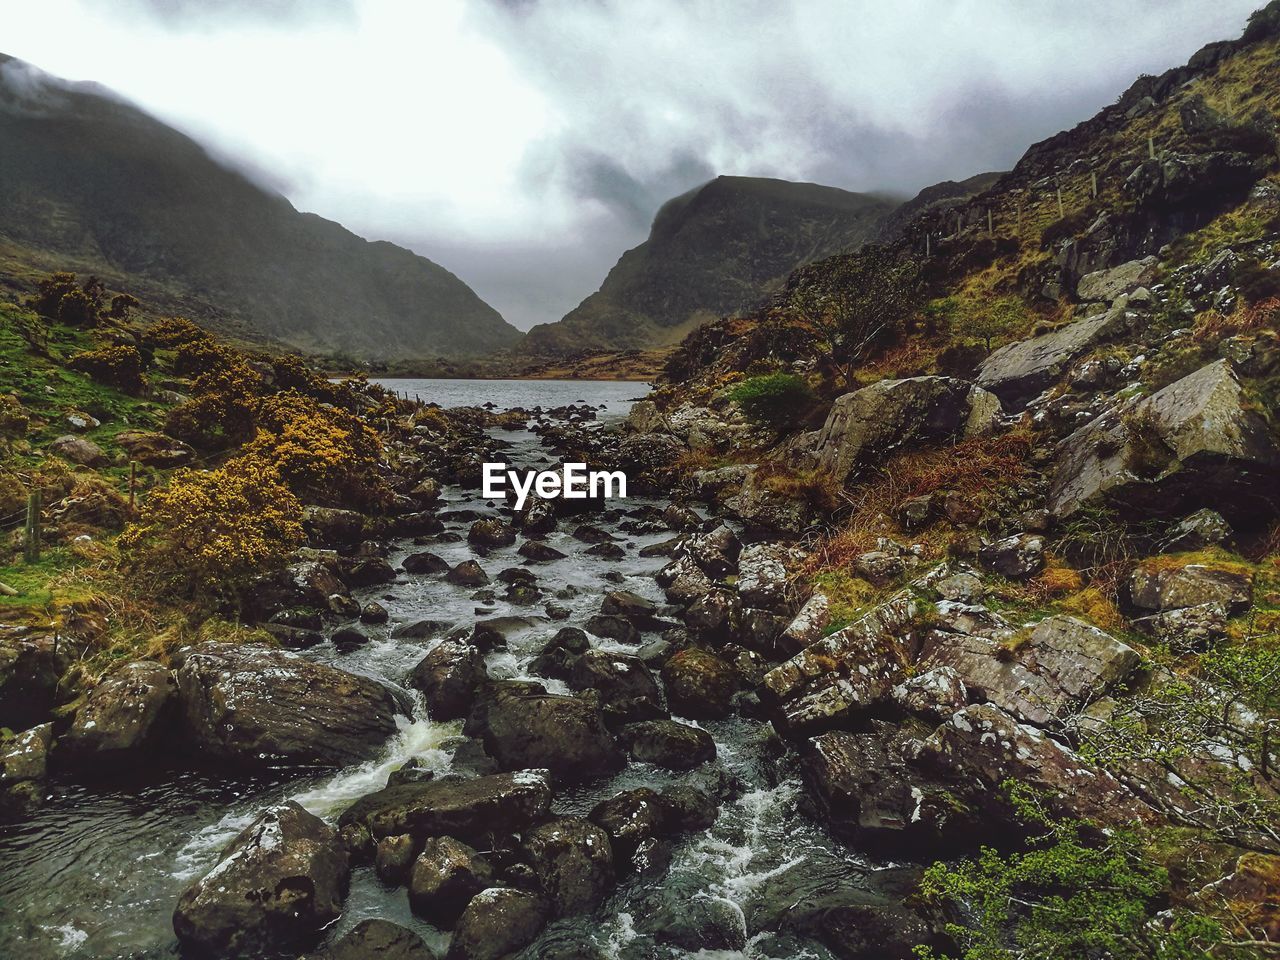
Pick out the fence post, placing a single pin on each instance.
(33, 527)
(1093, 183)
(926, 243)
(1151, 147)
(1061, 211)
(133, 485)
(991, 230)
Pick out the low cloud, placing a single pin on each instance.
(525, 144)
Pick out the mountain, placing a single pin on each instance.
(92, 183)
(715, 250)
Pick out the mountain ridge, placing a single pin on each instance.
(85, 176)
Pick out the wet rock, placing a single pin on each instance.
(863, 924)
(630, 818)
(373, 612)
(613, 628)
(573, 861)
(632, 606)
(422, 524)
(468, 574)
(523, 725)
(426, 494)
(586, 533)
(497, 923)
(367, 571)
(393, 857)
(538, 518)
(308, 584)
(123, 717)
(627, 689)
(378, 939)
(937, 692)
(699, 684)
(683, 581)
(419, 629)
(467, 809)
(536, 551)
(607, 551)
(714, 617)
(1017, 557)
(491, 533)
(155, 449)
(680, 914)
(254, 706)
(981, 746)
(1168, 585)
(715, 552)
(762, 574)
(347, 639)
(1194, 443)
(293, 638)
(885, 415)
(331, 527)
(448, 677)
(30, 671)
(759, 629)
(852, 669)
(1018, 372)
(1059, 665)
(445, 877)
(691, 808)
(24, 763)
(669, 744)
(425, 562)
(556, 658)
(275, 888)
(79, 450)
(681, 518)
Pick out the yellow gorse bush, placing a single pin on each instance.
(210, 533)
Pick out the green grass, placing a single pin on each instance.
(32, 581)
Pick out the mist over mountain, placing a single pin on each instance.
(89, 181)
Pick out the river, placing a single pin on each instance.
(97, 872)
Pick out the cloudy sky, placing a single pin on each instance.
(524, 144)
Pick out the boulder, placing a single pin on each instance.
(393, 858)
(155, 449)
(491, 533)
(669, 744)
(1019, 372)
(1168, 584)
(1203, 528)
(30, 671)
(762, 574)
(557, 657)
(870, 422)
(1195, 443)
(1187, 628)
(852, 669)
(522, 725)
(366, 571)
(538, 551)
(936, 692)
(448, 677)
(981, 746)
(446, 875)
(714, 616)
(497, 923)
(573, 861)
(1017, 557)
(1106, 285)
(425, 562)
(261, 707)
(275, 889)
(374, 612)
(880, 567)
(683, 581)
(334, 528)
(630, 818)
(468, 573)
(467, 809)
(1056, 667)
(378, 939)
(631, 606)
(613, 628)
(699, 684)
(123, 717)
(767, 513)
(79, 450)
(627, 689)
(808, 625)
(24, 765)
(715, 552)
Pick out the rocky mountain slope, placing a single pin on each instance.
(712, 251)
(90, 182)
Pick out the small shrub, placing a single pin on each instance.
(775, 399)
(1147, 455)
(209, 534)
(117, 366)
(59, 298)
(175, 331)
